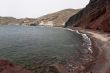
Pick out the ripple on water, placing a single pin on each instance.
(28, 45)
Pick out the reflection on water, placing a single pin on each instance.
(27, 44)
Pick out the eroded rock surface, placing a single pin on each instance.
(96, 15)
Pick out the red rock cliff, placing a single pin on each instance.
(96, 15)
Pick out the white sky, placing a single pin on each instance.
(36, 8)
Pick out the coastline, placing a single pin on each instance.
(91, 62)
(89, 42)
(101, 42)
(87, 64)
(71, 57)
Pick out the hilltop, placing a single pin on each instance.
(54, 19)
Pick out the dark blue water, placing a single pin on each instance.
(29, 44)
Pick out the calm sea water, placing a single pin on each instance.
(28, 45)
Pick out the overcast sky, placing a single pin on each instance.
(36, 8)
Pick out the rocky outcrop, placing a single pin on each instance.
(96, 15)
(54, 19)
(7, 67)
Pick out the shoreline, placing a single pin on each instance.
(83, 67)
(86, 66)
(80, 39)
(90, 44)
(101, 41)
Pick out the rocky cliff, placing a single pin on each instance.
(96, 15)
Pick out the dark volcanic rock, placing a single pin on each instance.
(96, 16)
(7, 67)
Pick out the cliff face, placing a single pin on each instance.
(96, 15)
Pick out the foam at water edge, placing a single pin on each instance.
(87, 41)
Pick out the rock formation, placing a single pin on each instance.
(96, 15)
